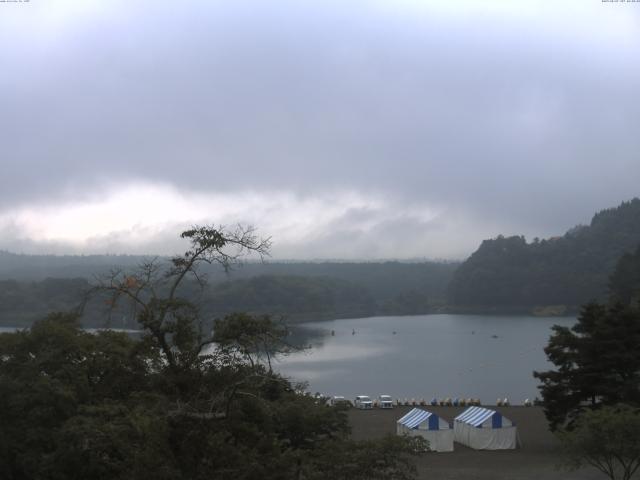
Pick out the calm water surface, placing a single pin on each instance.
(429, 356)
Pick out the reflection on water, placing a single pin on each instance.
(306, 336)
(428, 355)
(336, 352)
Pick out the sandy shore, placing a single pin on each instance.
(537, 457)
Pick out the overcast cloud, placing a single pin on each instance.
(360, 129)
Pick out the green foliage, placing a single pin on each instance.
(624, 284)
(608, 439)
(75, 405)
(568, 270)
(114, 440)
(177, 403)
(47, 375)
(251, 337)
(597, 362)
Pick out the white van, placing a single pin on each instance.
(363, 402)
(338, 400)
(385, 401)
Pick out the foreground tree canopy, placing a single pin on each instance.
(607, 439)
(181, 401)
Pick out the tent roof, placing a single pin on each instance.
(414, 418)
(475, 416)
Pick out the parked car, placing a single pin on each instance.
(363, 402)
(385, 401)
(338, 400)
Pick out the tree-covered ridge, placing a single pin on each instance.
(23, 267)
(23, 302)
(569, 270)
(298, 291)
(294, 296)
(379, 276)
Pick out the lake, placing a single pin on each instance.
(478, 356)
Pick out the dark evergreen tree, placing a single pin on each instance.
(624, 284)
(597, 360)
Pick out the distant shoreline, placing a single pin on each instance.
(527, 311)
(530, 310)
(301, 319)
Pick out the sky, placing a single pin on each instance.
(345, 130)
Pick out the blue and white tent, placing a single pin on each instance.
(428, 425)
(484, 429)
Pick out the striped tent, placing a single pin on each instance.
(429, 426)
(484, 429)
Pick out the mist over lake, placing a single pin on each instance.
(479, 356)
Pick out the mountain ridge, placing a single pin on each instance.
(569, 270)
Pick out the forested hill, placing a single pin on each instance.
(381, 279)
(568, 270)
(299, 291)
(38, 267)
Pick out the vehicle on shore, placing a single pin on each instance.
(338, 400)
(385, 401)
(363, 402)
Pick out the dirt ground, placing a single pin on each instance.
(536, 458)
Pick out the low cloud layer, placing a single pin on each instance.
(343, 129)
(147, 219)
